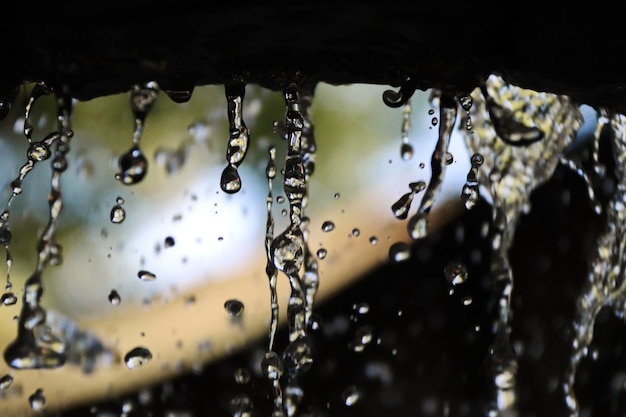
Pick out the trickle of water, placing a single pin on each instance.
(133, 164)
(400, 208)
(406, 148)
(234, 307)
(146, 275)
(37, 400)
(238, 140)
(114, 298)
(6, 381)
(521, 135)
(40, 89)
(35, 347)
(418, 224)
(137, 357)
(470, 191)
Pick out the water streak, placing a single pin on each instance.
(238, 140)
(605, 284)
(418, 224)
(540, 126)
(35, 346)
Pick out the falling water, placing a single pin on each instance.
(238, 140)
(35, 346)
(418, 224)
(516, 141)
(520, 135)
(406, 148)
(133, 164)
(605, 284)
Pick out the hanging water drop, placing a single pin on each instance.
(137, 357)
(230, 182)
(133, 166)
(238, 140)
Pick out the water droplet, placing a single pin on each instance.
(6, 381)
(240, 406)
(356, 232)
(399, 252)
(328, 226)
(137, 357)
(297, 357)
(8, 299)
(234, 307)
(455, 273)
(133, 166)
(373, 240)
(38, 151)
(351, 395)
(146, 275)
(169, 242)
(114, 298)
(361, 308)
(37, 400)
(118, 214)
(230, 181)
(321, 253)
(242, 375)
(272, 366)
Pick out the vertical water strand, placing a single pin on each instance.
(308, 151)
(288, 251)
(238, 140)
(35, 346)
(602, 121)
(133, 164)
(504, 365)
(605, 284)
(406, 148)
(470, 192)
(271, 271)
(36, 152)
(418, 224)
(38, 90)
(288, 247)
(521, 135)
